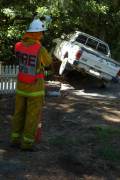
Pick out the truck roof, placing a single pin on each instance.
(92, 37)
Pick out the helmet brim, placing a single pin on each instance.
(36, 30)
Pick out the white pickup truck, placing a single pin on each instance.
(87, 54)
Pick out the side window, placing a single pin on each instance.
(102, 48)
(81, 39)
(92, 43)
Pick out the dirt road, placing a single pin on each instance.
(80, 140)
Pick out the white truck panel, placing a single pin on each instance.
(98, 63)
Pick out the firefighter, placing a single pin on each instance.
(30, 91)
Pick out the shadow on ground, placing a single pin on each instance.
(80, 140)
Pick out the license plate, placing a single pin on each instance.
(96, 73)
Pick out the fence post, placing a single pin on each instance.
(8, 74)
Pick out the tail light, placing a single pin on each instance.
(78, 55)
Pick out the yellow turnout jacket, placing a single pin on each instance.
(37, 88)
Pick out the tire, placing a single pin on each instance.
(104, 84)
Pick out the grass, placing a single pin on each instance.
(109, 143)
(107, 132)
(109, 153)
(105, 141)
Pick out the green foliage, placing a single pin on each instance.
(100, 18)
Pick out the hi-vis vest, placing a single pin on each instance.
(27, 58)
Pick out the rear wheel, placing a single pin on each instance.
(104, 84)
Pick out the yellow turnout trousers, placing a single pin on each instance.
(26, 118)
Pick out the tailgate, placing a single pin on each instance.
(99, 63)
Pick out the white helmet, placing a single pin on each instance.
(36, 26)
